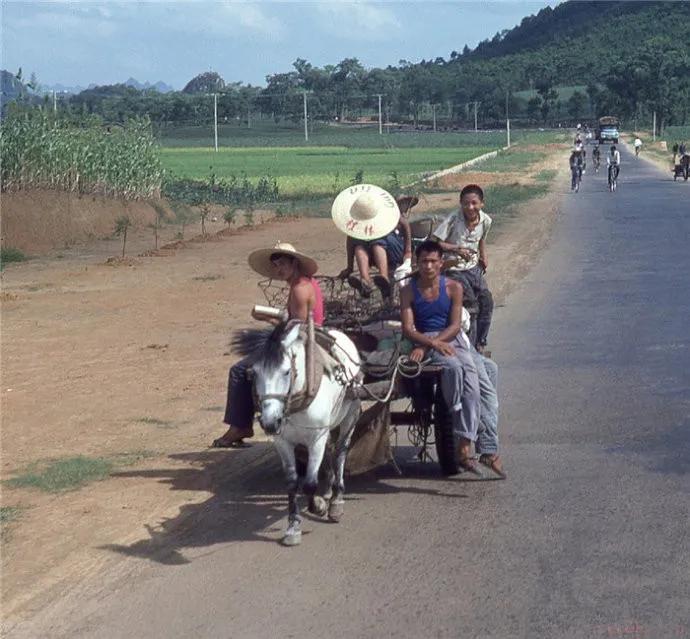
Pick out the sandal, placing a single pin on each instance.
(362, 287)
(232, 442)
(469, 465)
(383, 285)
(495, 463)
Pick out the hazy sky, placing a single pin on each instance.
(81, 42)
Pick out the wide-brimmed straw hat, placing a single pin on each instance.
(365, 212)
(260, 260)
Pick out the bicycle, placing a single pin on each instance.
(613, 177)
(576, 177)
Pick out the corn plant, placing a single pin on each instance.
(42, 151)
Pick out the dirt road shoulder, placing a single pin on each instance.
(127, 364)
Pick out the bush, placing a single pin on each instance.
(228, 192)
(9, 254)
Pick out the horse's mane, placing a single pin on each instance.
(263, 344)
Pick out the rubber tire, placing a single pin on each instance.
(446, 445)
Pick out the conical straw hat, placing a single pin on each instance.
(260, 260)
(365, 212)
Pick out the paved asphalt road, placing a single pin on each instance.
(589, 537)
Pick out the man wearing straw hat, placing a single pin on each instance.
(376, 232)
(282, 262)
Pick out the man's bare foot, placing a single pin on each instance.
(232, 438)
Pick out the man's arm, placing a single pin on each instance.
(464, 253)
(483, 260)
(350, 252)
(301, 297)
(407, 238)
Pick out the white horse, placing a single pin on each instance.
(300, 391)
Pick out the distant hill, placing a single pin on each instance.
(159, 86)
(10, 87)
(578, 41)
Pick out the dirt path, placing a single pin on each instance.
(104, 360)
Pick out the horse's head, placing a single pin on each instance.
(278, 373)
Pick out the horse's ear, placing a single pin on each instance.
(292, 329)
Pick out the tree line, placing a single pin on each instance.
(625, 67)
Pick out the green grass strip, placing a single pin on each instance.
(9, 254)
(70, 473)
(63, 474)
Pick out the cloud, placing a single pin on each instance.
(227, 18)
(84, 18)
(358, 20)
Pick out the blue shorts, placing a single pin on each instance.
(393, 244)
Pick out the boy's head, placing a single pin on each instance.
(471, 200)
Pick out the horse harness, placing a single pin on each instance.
(296, 401)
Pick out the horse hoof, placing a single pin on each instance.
(336, 511)
(292, 539)
(318, 506)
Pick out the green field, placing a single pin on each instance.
(676, 134)
(333, 159)
(316, 171)
(266, 133)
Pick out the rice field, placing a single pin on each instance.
(266, 133)
(318, 170)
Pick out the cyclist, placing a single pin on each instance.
(638, 146)
(613, 161)
(596, 158)
(577, 167)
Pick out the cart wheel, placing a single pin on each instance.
(446, 446)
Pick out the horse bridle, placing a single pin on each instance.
(285, 398)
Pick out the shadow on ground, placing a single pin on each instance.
(248, 500)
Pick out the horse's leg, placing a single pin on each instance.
(311, 479)
(347, 427)
(318, 503)
(293, 534)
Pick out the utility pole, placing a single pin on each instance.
(215, 120)
(380, 118)
(54, 102)
(433, 112)
(306, 129)
(654, 127)
(475, 117)
(249, 115)
(507, 123)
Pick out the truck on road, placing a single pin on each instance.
(608, 129)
